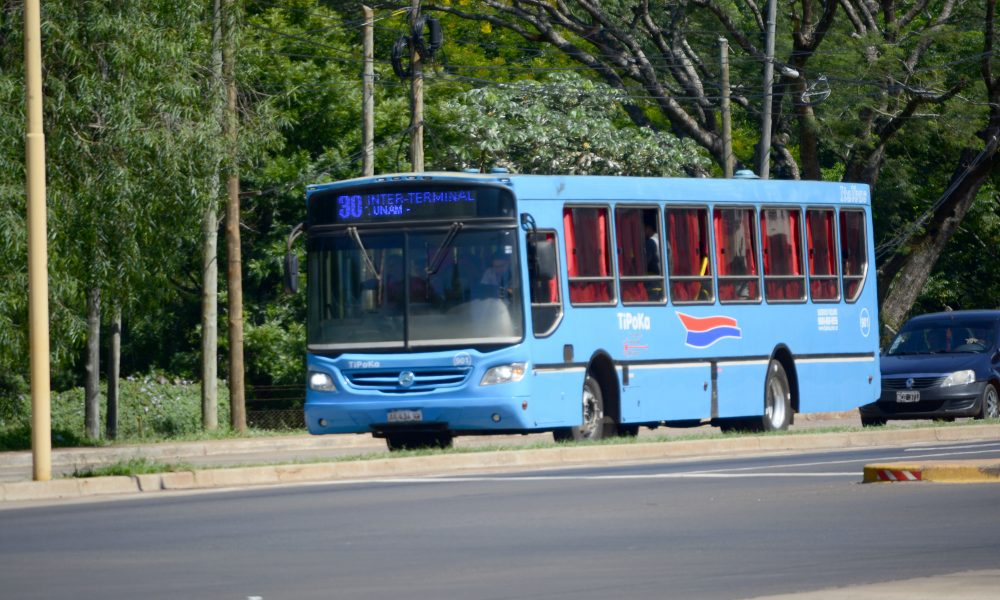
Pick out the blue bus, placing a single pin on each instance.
(442, 304)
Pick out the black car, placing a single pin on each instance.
(940, 366)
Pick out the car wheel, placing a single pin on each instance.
(873, 421)
(989, 403)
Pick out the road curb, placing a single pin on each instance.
(950, 471)
(407, 466)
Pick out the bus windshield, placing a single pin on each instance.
(450, 287)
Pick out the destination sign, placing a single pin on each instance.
(368, 207)
(404, 203)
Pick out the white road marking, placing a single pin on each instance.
(687, 475)
(926, 448)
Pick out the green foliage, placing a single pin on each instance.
(149, 407)
(565, 124)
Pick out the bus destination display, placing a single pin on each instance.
(395, 205)
(356, 206)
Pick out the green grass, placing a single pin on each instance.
(133, 466)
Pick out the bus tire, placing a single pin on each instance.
(594, 422)
(418, 440)
(628, 431)
(777, 399)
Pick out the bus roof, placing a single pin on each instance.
(597, 188)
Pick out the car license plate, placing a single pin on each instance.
(405, 416)
(907, 396)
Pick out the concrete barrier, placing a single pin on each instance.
(942, 471)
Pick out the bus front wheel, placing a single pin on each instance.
(592, 427)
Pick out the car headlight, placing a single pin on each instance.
(504, 374)
(321, 382)
(960, 378)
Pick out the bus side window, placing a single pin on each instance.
(543, 282)
(640, 272)
(821, 243)
(783, 278)
(736, 254)
(688, 257)
(588, 256)
(853, 252)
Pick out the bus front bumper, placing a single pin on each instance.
(472, 415)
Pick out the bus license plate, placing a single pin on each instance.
(907, 396)
(405, 416)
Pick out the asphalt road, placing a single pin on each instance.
(727, 528)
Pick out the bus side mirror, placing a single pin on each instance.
(291, 273)
(545, 258)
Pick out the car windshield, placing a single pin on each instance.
(944, 337)
(446, 288)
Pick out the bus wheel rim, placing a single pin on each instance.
(775, 408)
(590, 412)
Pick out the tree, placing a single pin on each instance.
(894, 59)
(124, 127)
(565, 124)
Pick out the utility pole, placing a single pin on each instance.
(764, 166)
(368, 96)
(210, 248)
(727, 118)
(234, 273)
(38, 282)
(416, 95)
(114, 372)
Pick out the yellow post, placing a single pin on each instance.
(38, 284)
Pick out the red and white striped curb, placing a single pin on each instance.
(898, 475)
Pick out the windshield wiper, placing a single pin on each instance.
(435, 263)
(353, 232)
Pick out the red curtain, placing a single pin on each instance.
(631, 253)
(782, 252)
(820, 236)
(686, 228)
(587, 253)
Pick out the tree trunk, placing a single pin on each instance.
(210, 320)
(903, 278)
(92, 383)
(234, 270)
(114, 369)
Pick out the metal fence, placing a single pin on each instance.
(276, 407)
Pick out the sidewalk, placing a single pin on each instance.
(970, 585)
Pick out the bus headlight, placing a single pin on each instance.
(504, 374)
(321, 382)
(959, 378)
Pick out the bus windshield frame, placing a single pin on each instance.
(425, 281)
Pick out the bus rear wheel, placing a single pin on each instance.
(777, 399)
(594, 422)
(418, 440)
